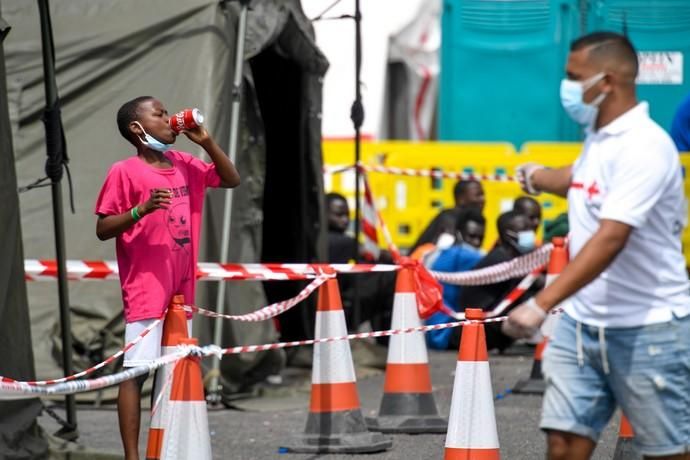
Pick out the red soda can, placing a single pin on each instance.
(186, 119)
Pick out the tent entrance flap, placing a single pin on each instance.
(288, 232)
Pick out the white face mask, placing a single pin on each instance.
(153, 143)
(571, 99)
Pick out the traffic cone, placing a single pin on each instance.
(625, 449)
(335, 423)
(535, 383)
(186, 435)
(408, 404)
(472, 424)
(174, 330)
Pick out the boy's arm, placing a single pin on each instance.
(110, 226)
(229, 177)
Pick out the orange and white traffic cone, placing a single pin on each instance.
(535, 383)
(472, 423)
(625, 449)
(174, 330)
(335, 422)
(186, 435)
(408, 404)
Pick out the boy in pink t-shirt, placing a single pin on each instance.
(152, 205)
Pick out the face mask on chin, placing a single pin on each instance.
(523, 241)
(153, 143)
(572, 93)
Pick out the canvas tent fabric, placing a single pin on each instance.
(182, 52)
(412, 73)
(19, 434)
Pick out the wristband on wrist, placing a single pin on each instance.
(135, 213)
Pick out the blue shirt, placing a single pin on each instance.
(453, 259)
(680, 128)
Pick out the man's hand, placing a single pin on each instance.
(524, 321)
(524, 174)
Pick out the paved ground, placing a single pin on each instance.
(263, 425)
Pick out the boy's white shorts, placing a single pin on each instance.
(149, 348)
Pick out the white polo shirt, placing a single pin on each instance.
(629, 172)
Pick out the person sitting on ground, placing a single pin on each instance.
(462, 256)
(376, 290)
(530, 208)
(467, 193)
(516, 237)
(468, 232)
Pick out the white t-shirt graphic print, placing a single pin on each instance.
(629, 172)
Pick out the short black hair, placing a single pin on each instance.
(333, 196)
(129, 113)
(521, 202)
(609, 46)
(504, 221)
(468, 214)
(462, 185)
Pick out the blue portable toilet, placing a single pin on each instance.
(660, 31)
(501, 66)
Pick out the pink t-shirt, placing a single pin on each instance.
(157, 255)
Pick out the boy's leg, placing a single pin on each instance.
(129, 415)
(129, 395)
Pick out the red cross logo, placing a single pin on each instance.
(591, 191)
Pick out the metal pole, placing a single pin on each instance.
(51, 95)
(357, 116)
(214, 391)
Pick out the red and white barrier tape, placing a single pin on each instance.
(369, 216)
(269, 311)
(435, 173)
(13, 389)
(515, 294)
(46, 270)
(91, 369)
(520, 266)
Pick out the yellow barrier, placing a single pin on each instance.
(407, 204)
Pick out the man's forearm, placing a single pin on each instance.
(226, 170)
(556, 181)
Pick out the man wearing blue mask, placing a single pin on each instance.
(515, 238)
(624, 337)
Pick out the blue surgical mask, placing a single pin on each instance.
(525, 240)
(571, 99)
(153, 143)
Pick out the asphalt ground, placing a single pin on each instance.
(258, 427)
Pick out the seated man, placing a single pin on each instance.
(531, 208)
(516, 238)
(467, 193)
(375, 290)
(462, 256)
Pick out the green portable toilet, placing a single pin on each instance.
(501, 66)
(660, 31)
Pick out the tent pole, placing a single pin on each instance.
(214, 394)
(357, 117)
(70, 431)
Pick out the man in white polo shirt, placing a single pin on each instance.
(624, 337)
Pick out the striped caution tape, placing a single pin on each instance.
(464, 174)
(271, 310)
(91, 369)
(84, 270)
(520, 266)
